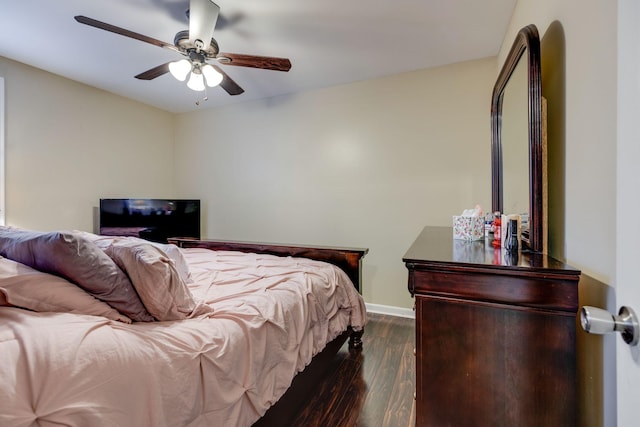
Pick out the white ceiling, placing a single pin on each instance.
(329, 42)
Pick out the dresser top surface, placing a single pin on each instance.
(436, 246)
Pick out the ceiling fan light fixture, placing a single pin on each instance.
(196, 81)
(180, 69)
(211, 75)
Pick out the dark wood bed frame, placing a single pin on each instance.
(304, 384)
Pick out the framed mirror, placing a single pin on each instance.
(517, 162)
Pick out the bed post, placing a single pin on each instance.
(355, 340)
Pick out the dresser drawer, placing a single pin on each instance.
(533, 290)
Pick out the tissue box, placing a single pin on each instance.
(468, 227)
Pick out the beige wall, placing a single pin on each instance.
(69, 144)
(366, 164)
(582, 37)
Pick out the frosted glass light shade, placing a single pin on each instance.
(196, 82)
(180, 69)
(211, 75)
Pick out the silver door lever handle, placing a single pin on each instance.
(598, 321)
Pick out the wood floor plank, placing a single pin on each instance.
(372, 388)
(399, 407)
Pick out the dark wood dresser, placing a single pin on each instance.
(495, 334)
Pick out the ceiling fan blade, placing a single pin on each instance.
(154, 72)
(263, 62)
(228, 84)
(203, 15)
(117, 30)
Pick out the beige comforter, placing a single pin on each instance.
(271, 316)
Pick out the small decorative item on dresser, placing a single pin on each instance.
(468, 228)
(511, 241)
(469, 225)
(497, 231)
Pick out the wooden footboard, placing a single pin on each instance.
(304, 384)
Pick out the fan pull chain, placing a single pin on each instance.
(206, 98)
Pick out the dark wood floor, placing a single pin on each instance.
(373, 388)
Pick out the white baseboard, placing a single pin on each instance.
(390, 310)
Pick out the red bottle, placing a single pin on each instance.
(497, 231)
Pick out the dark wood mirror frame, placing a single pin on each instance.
(526, 45)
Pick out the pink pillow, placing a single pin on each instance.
(78, 260)
(155, 277)
(173, 252)
(25, 287)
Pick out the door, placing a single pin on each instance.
(627, 286)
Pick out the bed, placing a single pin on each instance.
(230, 333)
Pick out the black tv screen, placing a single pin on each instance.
(151, 219)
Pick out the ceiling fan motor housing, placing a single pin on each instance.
(182, 42)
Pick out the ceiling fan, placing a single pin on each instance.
(198, 46)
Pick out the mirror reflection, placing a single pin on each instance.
(515, 142)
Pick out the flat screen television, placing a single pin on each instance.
(151, 219)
